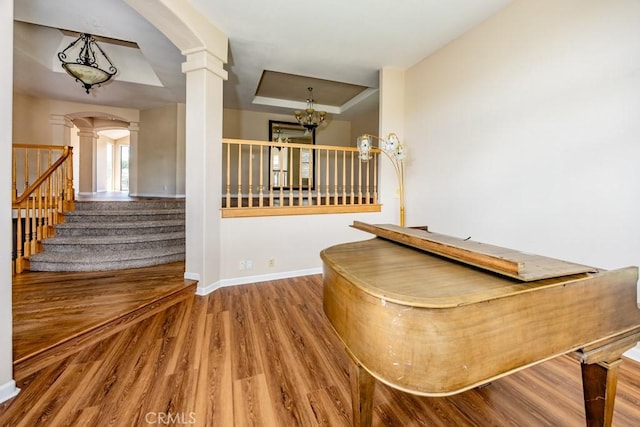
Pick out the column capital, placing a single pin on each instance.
(134, 127)
(203, 59)
(59, 119)
(87, 133)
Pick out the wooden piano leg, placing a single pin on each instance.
(362, 389)
(599, 382)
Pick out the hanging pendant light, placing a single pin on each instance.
(86, 67)
(310, 118)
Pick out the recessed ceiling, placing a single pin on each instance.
(289, 90)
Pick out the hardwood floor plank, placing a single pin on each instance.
(329, 407)
(214, 374)
(245, 359)
(252, 403)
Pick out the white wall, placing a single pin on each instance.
(525, 132)
(7, 385)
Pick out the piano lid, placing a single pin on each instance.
(508, 262)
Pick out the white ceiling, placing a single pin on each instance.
(339, 40)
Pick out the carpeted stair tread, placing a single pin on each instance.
(87, 257)
(125, 212)
(100, 240)
(124, 224)
(108, 260)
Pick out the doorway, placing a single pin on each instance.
(113, 160)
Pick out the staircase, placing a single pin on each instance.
(114, 235)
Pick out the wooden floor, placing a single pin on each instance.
(265, 355)
(52, 309)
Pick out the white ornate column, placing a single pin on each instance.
(88, 161)
(204, 165)
(60, 130)
(134, 128)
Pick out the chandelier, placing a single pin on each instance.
(86, 68)
(310, 118)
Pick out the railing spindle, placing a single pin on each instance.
(353, 184)
(19, 243)
(368, 186)
(327, 199)
(335, 177)
(375, 178)
(289, 175)
(239, 175)
(250, 176)
(300, 185)
(26, 170)
(271, 176)
(261, 201)
(360, 182)
(344, 177)
(228, 184)
(280, 175)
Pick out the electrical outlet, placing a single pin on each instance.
(272, 262)
(242, 265)
(249, 264)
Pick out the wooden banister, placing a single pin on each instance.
(296, 179)
(41, 204)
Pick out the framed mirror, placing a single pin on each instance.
(291, 167)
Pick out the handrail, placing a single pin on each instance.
(263, 178)
(293, 145)
(45, 175)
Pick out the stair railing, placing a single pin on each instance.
(265, 178)
(38, 206)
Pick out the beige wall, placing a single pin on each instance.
(241, 124)
(101, 167)
(31, 116)
(7, 385)
(524, 132)
(161, 151)
(368, 122)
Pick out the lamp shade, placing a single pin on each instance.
(86, 67)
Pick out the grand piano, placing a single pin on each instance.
(434, 315)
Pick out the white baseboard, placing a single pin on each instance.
(159, 195)
(634, 353)
(8, 391)
(205, 290)
(191, 276)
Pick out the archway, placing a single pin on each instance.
(94, 160)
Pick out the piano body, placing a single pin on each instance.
(434, 315)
